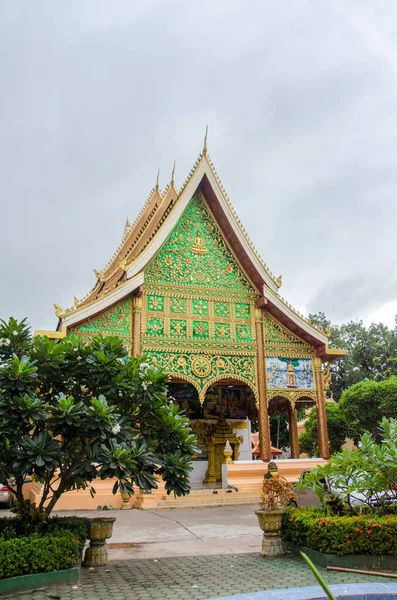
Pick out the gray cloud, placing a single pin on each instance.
(301, 103)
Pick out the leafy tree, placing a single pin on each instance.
(371, 352)
(337, 431)
(364, 404)
(71, 413)
(366, 475)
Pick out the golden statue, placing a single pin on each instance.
(291, 377)
(198, 247)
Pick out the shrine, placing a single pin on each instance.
(187, 289)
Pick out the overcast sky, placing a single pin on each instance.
(301, 103)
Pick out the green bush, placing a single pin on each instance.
(39, 553)
(76, 525)
(361, 534)
(11, 527)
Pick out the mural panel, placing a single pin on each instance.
(289, 373)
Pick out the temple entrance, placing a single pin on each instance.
(224, 419)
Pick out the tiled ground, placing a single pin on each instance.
(190, 578)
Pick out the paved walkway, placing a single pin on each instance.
(187, 554)
(190, 578)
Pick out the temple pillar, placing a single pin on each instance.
(263, 415)
(293, 431)
(321, 412)
(210, 476)
(136, 325)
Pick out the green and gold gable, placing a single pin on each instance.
(198, 305)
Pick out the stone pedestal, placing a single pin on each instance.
(100, 529)
(270, 523)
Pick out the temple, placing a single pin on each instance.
(187, 289)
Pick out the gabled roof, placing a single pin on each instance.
(161, 212)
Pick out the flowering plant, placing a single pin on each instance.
(277, 493)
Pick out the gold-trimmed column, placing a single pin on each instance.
(321, 412)
(293, 431)
(136, 324)
(263, 416)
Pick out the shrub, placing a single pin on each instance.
(76, 525)
(11, 527)
(39, 554)
(277, 492)
(361, 534)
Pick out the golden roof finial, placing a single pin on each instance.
(173, 173)
(76, 301)
(327, 331)
(127, 223)
(98, 275)
(58, 310)
(205, 141)
(123, 263)
(279, 281)
(157, 180)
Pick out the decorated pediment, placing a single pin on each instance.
(196, 254)
(115, 321)
(280, 341)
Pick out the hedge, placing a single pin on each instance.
(39, 553)
(10, 527)
(58, 547)
(363, 534)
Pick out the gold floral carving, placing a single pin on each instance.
(279, 341)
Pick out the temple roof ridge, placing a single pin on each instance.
(157, 218)
(231, 206)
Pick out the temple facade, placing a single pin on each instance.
(187, 289)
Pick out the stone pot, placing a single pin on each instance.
(126, 497)
(99, 530)
(270, 523)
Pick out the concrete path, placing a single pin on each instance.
(181, 532)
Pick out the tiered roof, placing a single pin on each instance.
(124, 273)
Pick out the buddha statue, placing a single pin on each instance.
(198, 247)
(291, 377)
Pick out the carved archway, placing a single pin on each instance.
(226, 377)
(178, 377)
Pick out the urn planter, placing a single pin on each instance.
(126, 497)
(99, 530)
(270, 523)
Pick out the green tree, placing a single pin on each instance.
(71, 413)
(371, 352)
(364, 404)
(337, 431)
(362, 475)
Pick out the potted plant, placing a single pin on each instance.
(277, 493)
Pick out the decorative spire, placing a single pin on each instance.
(76, 301)
(173, 173)
(123, 263)
(58, 310)
(98, 275)
(157, 180)
(205, 141)
(127, 223)
(279, 281)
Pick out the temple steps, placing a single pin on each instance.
(207, 498)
